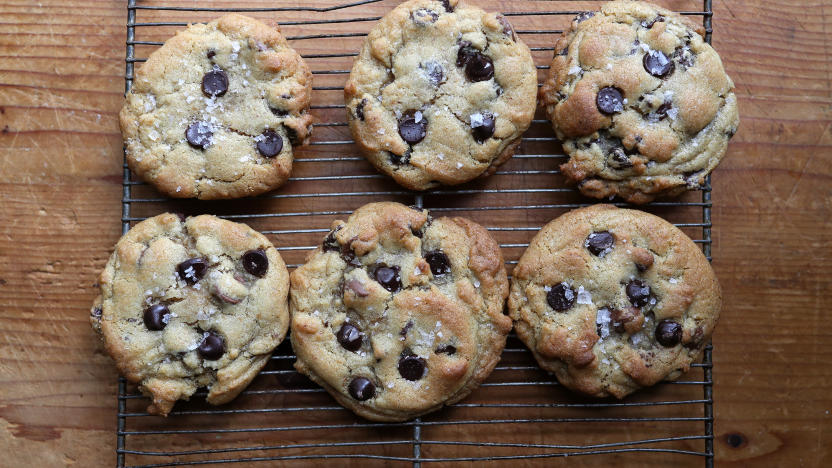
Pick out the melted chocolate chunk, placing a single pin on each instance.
(638, 293)
(199, 135)
(660, 113)
(212, 347)
(406, 328)
(598, 242)
(350, 337)
(330, 243)
(668, 333)
(684, 56)
(482, 126)
(450, 350)
(413, 126)
(649, 24)
(215, 82)
(609, 100)
(561, 297)
(439, 262)
(269, 144)
(657, 64)
(256, 262)
(156, 317)
(211, 54)
(279, 112)
(388, 277)
(362, 389)
(423, 16)
(412, 367)
(618, 159)
(192, 270)
(400, 159)
(507, 29)
(359, 109)
(621, 317)
(447, 6)
(478, 66)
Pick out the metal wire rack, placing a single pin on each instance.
(521, 413)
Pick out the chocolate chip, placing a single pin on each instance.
(478, 67)
(609, 100)
(439, 262)
(362, 389)
(649, 24)
(279, 112)
(156, 317)
(215, 82)
(507, 29)
(256, 262)
(359, 109)
(482, 126)
(450, 350)
(211, 54)
(657, 64)
(399, 159)
(599, 242)
(618, 159)
(212, 347)
(269, 144)
(561, 297)
(412, 367)
(199, 135)
(406, 328)
(447, 6)
(350, 337)
(583, 16)
(358, 288)
(291, 133)
(96, 312)
(423, 16)
(684, 56)
(330, 242)
(660, 113)
(668, 333)
(638, 293)
(413, 126)
(192, 270)
(434, 72)
(388, 277)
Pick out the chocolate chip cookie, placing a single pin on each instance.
(612, 300)
(640, 101)
(216, 111)
(397, 314)
(191, 303)
(440, 93)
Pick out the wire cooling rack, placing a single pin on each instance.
(520, 413)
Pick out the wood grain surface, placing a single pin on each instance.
(61, 86)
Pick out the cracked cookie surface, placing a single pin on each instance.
(640, 101)
(611, 300)
(191, 304)
(440, 93)
(397, 314)
(215, 112)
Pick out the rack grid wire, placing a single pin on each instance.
(520, 413)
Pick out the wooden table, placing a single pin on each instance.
(61, 85)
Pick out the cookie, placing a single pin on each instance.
(191, 303)
(611, 300)
(216, 111)
(397, 314)
(640, 101)
(440, 93)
